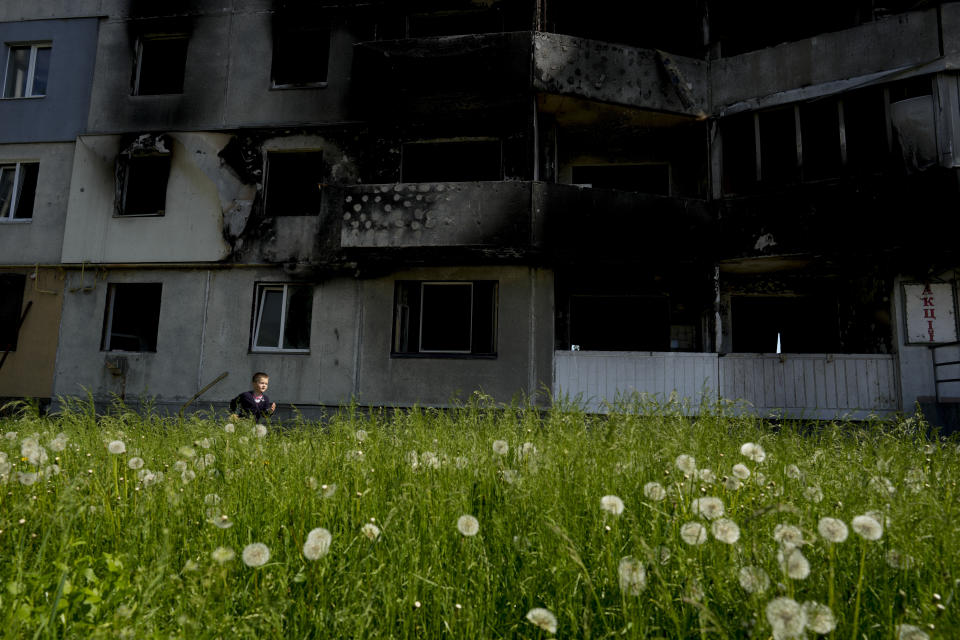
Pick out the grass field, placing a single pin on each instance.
(639, 524)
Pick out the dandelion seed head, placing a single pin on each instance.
(654, 491)
(135, 463)
(371, 531)
(787, 618)
(222, 555)
(709, 507)
(792, 471)
(312, 483)
(329, 490)
(260, 431)
(542, 618)
(229, 427)
(732, 484)
(813, 493)
(10, 435)
(693, 533)
(361, 435)
(188, 476)
(820, 618)
(788, 536)
(707, 476)
(753, 579)
(255, 554)
(740, 471)
(867, 527)
(429, 459)
(27, 478)
(632, 575)
(222, 521)
(882, 485)
(468, 525)
(832, 529)
(317, 544)
(509, 476)
(899, 561)
(753, 451)
(204, 443)
(187, 452)
(725, 530)
(500, 447)
(612, 504)
(59, 443)
(911, 632)
(796, 565)
(686, 463)
(209, 459)
(179, 466)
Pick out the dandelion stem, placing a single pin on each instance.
(856, 604)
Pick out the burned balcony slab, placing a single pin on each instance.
(437, 214)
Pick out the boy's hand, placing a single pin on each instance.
(273, 407)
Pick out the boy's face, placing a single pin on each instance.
(260, 384)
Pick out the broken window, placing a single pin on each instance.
(651, 177)
(865, 130)
(445, 317)
(27, 69)
(11, 301)
(144, 183)
(778, 146)
(160, 64)
(132, 317)
(282, 318)
(795, 324)
(738, 134)
(18, 189)
(451, 161)
(301, 52)
(621, 323)
(294, 183)
(820, 139)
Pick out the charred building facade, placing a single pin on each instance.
(400, 203)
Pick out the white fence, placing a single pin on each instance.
(792, 385)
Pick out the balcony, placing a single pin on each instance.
(479, 72)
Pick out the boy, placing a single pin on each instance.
(255, 402)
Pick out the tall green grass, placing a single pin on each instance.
(90, 550)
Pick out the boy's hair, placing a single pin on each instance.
(258, 375)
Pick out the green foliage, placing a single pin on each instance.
(100, 544)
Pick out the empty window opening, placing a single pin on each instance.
(797, 324)
(620, 323)
(160, 64)
(445, 317)
(11, 303)
(910, 88)
(820, 139)
(737, 133)
(865, 130)
(282, 318)
(651, 177)
(144, 191)
(460, 161)
(294, 183)
(778, 146)
(18, 189)
(132, 317)
(27, 69)
(301, 53)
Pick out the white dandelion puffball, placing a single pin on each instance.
(754, 579)
(59, 443)
(867, 527)
(633, 576)
(832, 529)
(740, 471)
(686, 463)
(205, 443)
(899, 561)
(654, 491)
(788, 536)
(10, 435)
(179, 466)
(370, 530)
(317, 544)
(188, 476)
(187, 452)
(787, 618)
(813, 493)
(500, 447)
(27, 478)
(222, 521)
(222, 555)
(732, 484)
(211, 499)
(525, 451)
(329, 490)
(707, 476)
(255, 555)
(229, 427)
(261, 431)
(910, 632)
(693, 533)
(468, 525)
(753, 451)
(709, 507)
(135, 463)
(882, 485)
(361, 435)
(33, 452)
(792, 471)
(725, 530)
(796, 566)
(820, 618)
(612, 504)
(116, 447)
(430, 459)
(542, 618)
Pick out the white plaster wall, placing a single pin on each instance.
(190, 229)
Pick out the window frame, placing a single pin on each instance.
(260, 291)
(126, 162)
(289, 29)
(106, 339)
(18, 177)
(270, 210)
(404, 323)
(31, 67)
(138, 61)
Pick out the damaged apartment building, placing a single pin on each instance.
(399, 203)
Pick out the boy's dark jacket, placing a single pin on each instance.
(244, 404)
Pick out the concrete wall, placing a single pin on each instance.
(524, 343)
(62, 113)
(887, 45)
(190, 230)
(28, 371)
(916, 362)
(38, 240)
(227, 78)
